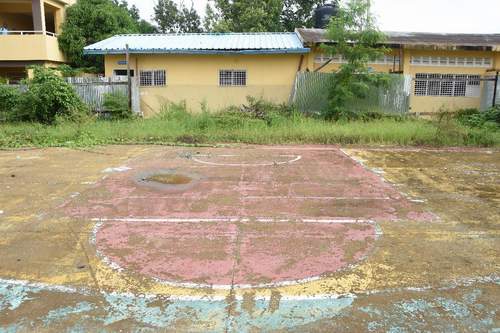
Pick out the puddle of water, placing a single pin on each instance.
(169, 179)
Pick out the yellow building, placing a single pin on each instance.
(212, 70)
(447, 69)
(28, 34)
(219, 70)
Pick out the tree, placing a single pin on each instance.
(166, 15)
(188, 19)
(248, 15)
(357, 39)
(299, 13)
(144, 26)
(211, 18)
(172, 18)
(90, 21)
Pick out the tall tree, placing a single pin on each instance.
(248, 15)
(260, 15)
(299, 13)
(357, 39)
(144, 26)
(172, 18)
(211, 18)
(188, 19)
(90, 21)
(166, 15)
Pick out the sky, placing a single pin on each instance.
(479, 16)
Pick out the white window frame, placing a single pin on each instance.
(338, 59)
(233, 78)
(158, 78)
(447, 85)
(434, 61)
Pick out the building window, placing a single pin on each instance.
(451, 61)
(123, 72)
(153, 78)
(447, 85)
(232, 78)
(339, 59)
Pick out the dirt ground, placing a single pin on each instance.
(250, 239)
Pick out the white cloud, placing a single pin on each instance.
(479, 16)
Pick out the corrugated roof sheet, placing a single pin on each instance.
(312, 36)
(243, 43)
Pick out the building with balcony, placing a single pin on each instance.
(28, 35)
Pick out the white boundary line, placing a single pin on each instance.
(256, 197)
(231, 219)
(296, 159)
(117, 267)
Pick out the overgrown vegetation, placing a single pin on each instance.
(9, 99)
(46, 98)
(357, 40)
(477, 119)
(257, 123)
(116, 106)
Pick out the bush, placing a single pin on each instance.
(173, 111)
(9, 99)
(475, 118)
(49, 98)
(116, 106)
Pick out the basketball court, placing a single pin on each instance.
(248, 238)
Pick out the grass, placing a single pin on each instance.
(206, 128)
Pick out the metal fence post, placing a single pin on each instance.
(495, 91)
(128, 78)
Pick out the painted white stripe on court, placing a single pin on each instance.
(256, 197)
(231, 219)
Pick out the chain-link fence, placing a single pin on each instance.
(311, 91)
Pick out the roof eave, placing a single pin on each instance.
(199, 52)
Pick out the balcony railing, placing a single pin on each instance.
(43, 46)
(26, 32)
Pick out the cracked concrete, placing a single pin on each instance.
(315, 239)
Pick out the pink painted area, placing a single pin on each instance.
(286, 191)
(191, 252)
(241, 253)
(324, 184)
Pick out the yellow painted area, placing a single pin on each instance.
(42, 47)
(195, 79)
(21, 45)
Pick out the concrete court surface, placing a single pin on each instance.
(250, 239)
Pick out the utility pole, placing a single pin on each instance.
(495, 88)
(129, 81)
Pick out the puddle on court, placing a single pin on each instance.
(167, 179)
